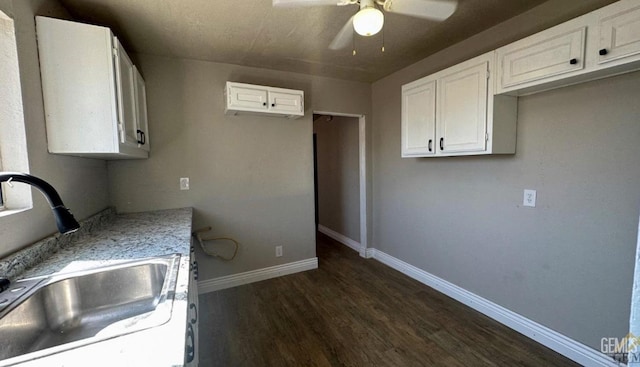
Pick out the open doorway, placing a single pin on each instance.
(339, 177)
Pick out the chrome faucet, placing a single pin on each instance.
(64, 219)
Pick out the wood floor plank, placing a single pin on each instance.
(354, 312)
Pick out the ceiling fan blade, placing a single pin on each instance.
(296, 3)
(344, 38)
(427, 9)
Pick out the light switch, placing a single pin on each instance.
(529, 198)
(184, 183)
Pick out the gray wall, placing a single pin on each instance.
(82, 183)
(251, 176)
(568, 263)
(338, 174)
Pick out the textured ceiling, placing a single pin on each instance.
(253, 33)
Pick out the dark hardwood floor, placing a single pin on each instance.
(354, 312)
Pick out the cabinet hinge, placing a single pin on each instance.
(486, 137)
(488, 73)
(115, 51)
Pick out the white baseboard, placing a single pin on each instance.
(211, 285)
(355, 245)
(566, 346)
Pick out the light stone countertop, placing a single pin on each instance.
(126, 237)
(123, 238)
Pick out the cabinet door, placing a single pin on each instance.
(554, 52)
(619, 32)
(191, 345)
(193, 305)
(125, 84)
(283, 102)
(142, 133)
(418, 119)
(462, 110)
(247, 97)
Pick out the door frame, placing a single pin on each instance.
(362, 168)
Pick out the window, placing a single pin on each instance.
(13, 143)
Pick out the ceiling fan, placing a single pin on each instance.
(369, 19)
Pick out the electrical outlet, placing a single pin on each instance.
(278, 251)
(184, 183)
(529, 198)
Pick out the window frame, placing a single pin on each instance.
(13, 141)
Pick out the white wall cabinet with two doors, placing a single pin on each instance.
(454, 112)
(602, 43)
(94, 97)
(241, 97)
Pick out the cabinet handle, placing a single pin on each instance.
(573, 61)
(603, 52)
(273, 105)
(190, 348)
(441, 143)
(264, 103)
(142, 139)
(430, 142)
(195, 309)
(195, 270)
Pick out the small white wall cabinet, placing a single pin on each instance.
(454, 112)
(599, 44)
(240, 97)
(191, 345)
(94, 97)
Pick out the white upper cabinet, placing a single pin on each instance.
(89, 86)
(240, 97)
(547, 55)
(455, 112)
(599, 44)
(419, 118)
(619, 33)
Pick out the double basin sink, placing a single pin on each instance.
(45, 315)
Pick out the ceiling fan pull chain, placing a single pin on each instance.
(353, 43)
(383, 40)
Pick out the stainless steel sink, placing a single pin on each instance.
(70, 310)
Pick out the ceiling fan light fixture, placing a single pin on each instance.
(368, 21)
